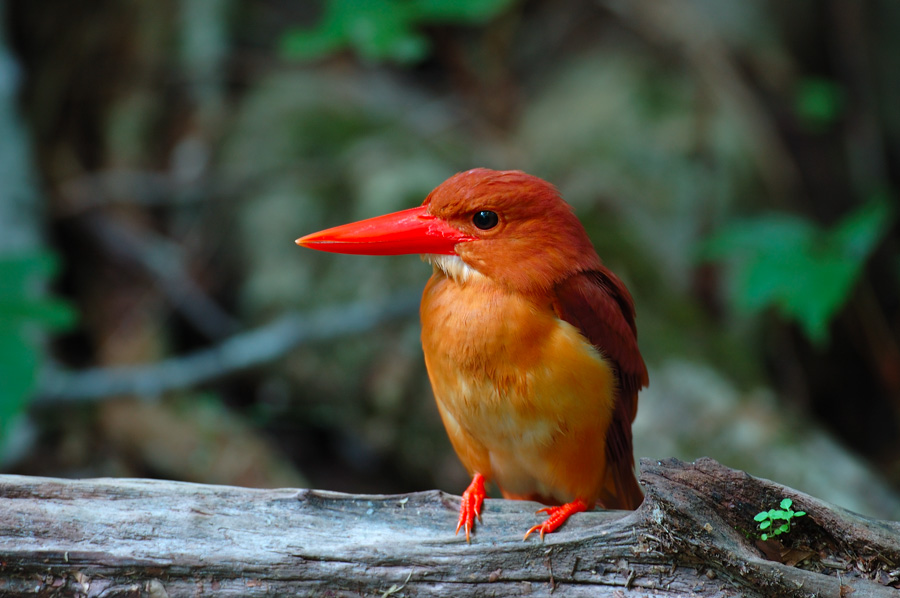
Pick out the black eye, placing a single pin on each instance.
(485, 219)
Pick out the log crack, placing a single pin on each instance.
(693, 535)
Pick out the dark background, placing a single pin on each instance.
(736, 163)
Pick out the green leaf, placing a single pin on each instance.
(765, 525)
(761, 516)
(21, 272)
(18, 371)
(804, 272)
(859, 233)
(783, 233)
(53, 314)
(799, 513)
(461, 11)
(25, 309)
(818, 102)
(23, 298)
(784, 529)
(383, 30)
(786, 503)
(764, 537)
(375, 29)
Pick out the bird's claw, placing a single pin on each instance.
(470, 506)
(557, 516)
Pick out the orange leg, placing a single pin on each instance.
(557, 516)
(470, 507)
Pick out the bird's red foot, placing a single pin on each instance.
(557, 516)
(470, 507)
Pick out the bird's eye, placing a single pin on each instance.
(485, 219)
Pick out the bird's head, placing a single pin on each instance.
(509, 226)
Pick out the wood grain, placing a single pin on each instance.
(127, 537)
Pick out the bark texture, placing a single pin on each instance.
(693, 536)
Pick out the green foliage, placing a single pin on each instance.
(805, 272)
(383, 30)
(818, 102)
(25, 310)
(775, 522)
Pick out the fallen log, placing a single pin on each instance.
(694, 535)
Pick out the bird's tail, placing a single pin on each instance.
(621, 490)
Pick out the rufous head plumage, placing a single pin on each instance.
(508, 226)
(535, 240)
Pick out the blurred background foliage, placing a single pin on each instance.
(737, 163)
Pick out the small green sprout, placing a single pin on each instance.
(777, 521)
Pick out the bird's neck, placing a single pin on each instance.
(477, 322)
(453, 268)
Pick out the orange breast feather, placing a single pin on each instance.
(526, 400)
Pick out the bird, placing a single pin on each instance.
(529, 341)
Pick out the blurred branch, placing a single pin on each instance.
(185, 184)
(139, 187)
(164, 261)
(242, 351)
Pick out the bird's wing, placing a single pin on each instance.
(598, 304)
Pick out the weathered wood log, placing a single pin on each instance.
(694, 535)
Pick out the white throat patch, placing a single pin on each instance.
(452, 266)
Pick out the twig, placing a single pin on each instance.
(240, 352)
(143, 188)
(163, 260)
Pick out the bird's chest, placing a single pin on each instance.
(482, 331)
(503, 367)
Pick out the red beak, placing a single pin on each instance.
(408, 231)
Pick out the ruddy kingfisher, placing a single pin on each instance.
(529, 341)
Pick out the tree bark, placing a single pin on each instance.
(694, 535)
